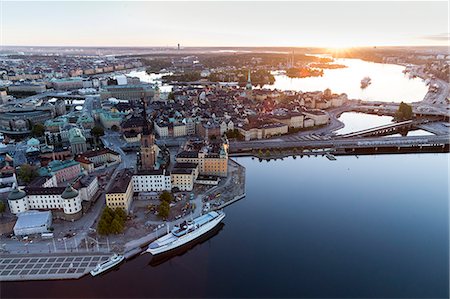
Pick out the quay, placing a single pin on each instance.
(20, 267)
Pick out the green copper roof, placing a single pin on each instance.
(16, 194)
(69, 193)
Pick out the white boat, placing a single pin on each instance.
(112, 262)
(186, 232)
(366, 81)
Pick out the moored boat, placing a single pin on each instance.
(366, 81)
(186, 232)
(110, 263)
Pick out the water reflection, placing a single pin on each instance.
(389, 84)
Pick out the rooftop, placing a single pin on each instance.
(121, 182)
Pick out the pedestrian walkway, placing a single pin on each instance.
(43, 267)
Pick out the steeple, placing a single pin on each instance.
(249, 82)
(147, 153)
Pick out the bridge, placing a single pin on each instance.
(349, 145)
(389, 129)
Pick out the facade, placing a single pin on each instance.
(27, 88)
(62, 170)
(320, 117)
(88, 187)
(67, 200)
(148, 147)
(209, 163)
(151, 180)
(96, 159)
(77, 141)
(183, 179)
(33, 222)
(110, 120)
(131, 92)
(120, 193)
(263, 131)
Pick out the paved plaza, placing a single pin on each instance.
(43, 267)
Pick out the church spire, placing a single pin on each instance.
(249, 82)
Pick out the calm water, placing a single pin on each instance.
(152, 78)
(388, 82)
(373, 226)
(355, 121)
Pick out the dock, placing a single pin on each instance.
(21, 267)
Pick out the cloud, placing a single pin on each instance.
(437, 37)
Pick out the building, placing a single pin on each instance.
(77, 141)
(27, 88)
(120, 193)
(63, 171)
(88, 187)
(151, 180)
(130, 92)
(183, 179)
(110, 120)
(184, 175)
(33, 222)
(320, 117)
(96, 159)
(148, 151)
(66, 201)
(210, 162)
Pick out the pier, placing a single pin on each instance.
(17, 267)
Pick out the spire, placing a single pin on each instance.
(147, 128)
(249, 82)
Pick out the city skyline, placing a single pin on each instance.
(238, 24)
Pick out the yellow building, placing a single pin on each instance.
(209, 163)
(120, 193)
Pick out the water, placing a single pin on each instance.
(152, 78)
(368, 226)
(389, 84)
(355, 121)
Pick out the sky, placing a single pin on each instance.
(214, 23)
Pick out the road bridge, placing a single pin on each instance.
(388, 129)
(417, 142)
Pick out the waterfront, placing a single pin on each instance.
(384, 77)
(154, 78)
(354, 121)
(308, 228)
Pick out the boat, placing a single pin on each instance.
(159, 259)
(186, 232)
(110, 263)
(366, 81)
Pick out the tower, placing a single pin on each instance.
(249, 82)
(147, 152)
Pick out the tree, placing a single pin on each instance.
(111, 221)
(38, 130)
(103, 227)
(164, 209)
(2, 207)
(404, 112)
(27, 173)
(171, 96)
(97, 131)
(121, 214)
(166, 196)
(116, 226)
